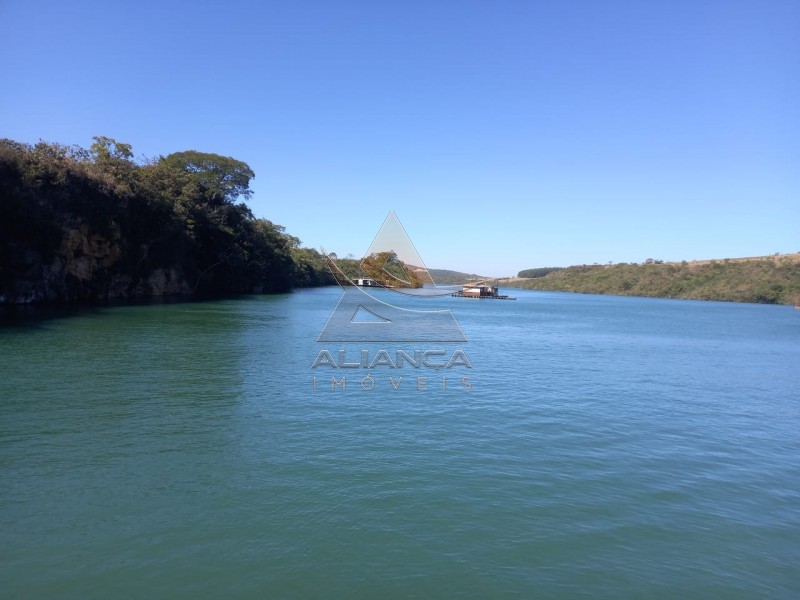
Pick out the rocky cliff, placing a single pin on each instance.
(87, 267)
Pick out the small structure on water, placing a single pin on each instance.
(366, 282)
(481, 291)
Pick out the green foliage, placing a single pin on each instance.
(107, 150)
(541, 272)
(351, 267)
(217, 179)
(178, 213)
(771, 280)
(310, 268)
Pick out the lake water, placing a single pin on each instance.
(609, 448)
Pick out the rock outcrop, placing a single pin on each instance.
(87, 267)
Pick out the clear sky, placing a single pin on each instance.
(505, 135)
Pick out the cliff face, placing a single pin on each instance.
(87, 267)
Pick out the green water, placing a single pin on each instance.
(609, 448)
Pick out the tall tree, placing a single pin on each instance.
(220, 179)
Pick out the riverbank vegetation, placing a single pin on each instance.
(95, 224)
(767, 280)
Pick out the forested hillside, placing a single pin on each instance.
(93, 224)
(768, 279)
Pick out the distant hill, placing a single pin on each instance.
(762, 279)
(446, 276)
(352, 269)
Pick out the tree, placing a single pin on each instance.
(106, 150)
(220, 179)
(112, 161)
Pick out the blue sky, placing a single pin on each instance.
(505, 135)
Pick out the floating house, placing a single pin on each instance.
(481, 291)
(366, 282)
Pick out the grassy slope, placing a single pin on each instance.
(768, 280)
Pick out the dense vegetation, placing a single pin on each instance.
(769, 280)
(78, 224)
(540, 272)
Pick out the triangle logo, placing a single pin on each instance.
(391, 265)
